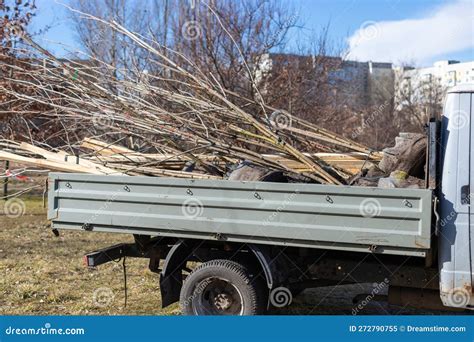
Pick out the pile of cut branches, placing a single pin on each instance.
(173, 120)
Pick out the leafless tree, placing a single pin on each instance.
(104, 44)
(229, 38)
(316, 84)
(15, 16)
(419, 96)
(223, 38)
(414, 100)
(15, 19)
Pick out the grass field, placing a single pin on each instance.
(44, 274)
(41, 274)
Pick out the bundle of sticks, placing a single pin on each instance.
(171, 117)
(100, 157)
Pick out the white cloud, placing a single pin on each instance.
(450, 28)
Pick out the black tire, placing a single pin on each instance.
(221, 287)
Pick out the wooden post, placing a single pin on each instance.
(5, 180)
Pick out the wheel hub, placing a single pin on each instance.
(217, 296)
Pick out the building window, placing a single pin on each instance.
(452, 78)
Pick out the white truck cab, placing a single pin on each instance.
(456, 231)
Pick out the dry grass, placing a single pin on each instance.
(44, 274)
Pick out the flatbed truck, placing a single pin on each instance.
(257, 244)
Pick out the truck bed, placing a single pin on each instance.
(391, 221)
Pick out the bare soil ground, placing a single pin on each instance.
(41, 274)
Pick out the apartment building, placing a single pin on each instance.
(358, 84)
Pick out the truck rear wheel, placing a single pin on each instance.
(220, 287)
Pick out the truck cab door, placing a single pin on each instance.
(456, 238)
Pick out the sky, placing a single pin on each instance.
(416, 32)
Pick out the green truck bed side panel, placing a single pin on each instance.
(396, 221)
